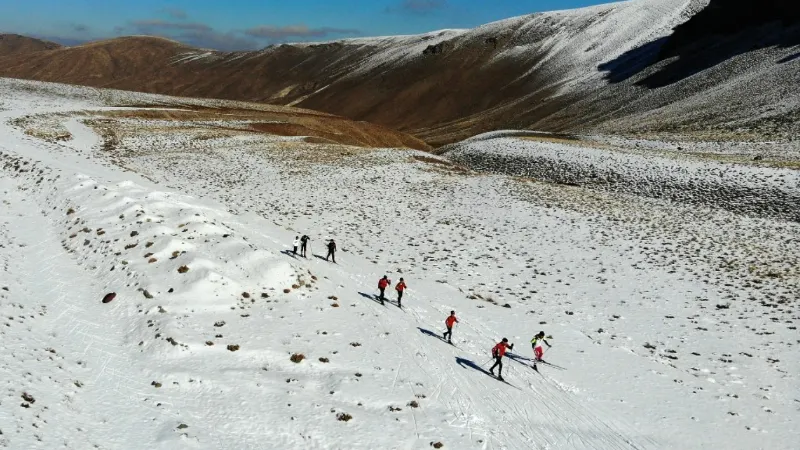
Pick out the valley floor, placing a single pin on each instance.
(673, 326)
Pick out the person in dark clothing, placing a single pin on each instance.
(304, 245)
(498, 351)
(383, 283)
(449, 322)
(331, 251)
(401, 286)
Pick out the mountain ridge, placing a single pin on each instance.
(583, 70)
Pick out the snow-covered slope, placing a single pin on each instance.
(658, 345)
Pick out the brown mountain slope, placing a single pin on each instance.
(14, 44)
(579, 70)
(126, 63)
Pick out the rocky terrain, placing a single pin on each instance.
(683, 178)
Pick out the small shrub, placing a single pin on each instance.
(324, 360)
(148, 245)
(28, 397)
(183, 269)
(209, 343)
(297, 357)
(286, 291)
(151, 260)
(70, 211)
(437, 445)
(233, 347)
(343, 417)
(413, 404)
(355, 344)
(220, 323)
(155, 384)
(335, 305)
(245, 295)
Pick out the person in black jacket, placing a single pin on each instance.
(331, 251)
(304, 245)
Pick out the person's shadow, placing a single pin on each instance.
(289, 253)
(370, 296)
(465, 363)
(517, 358)
(431, 333)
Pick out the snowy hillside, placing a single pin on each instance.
(673, 326)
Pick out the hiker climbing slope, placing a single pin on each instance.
(536, 345)
(331, 251)
(449, 322)
(383, 283)
(401, 286)
(498, 351)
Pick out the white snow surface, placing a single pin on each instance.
(140, 371)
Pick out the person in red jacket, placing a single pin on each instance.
(383, 283)
(449, 322)
(498, 351)
(401, 286)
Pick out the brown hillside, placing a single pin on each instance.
(14, 44)
(431, 96)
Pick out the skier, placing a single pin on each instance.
(401, 286)
(331, 251)
(304, 245)
(449, 322)
(498, 351)
(536, 345)
(296, 243)
(383, 283)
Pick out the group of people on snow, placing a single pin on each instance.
(498, 351)
(385, 282)
(302, 242)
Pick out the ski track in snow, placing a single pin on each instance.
(229, 212)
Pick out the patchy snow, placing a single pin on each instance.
(676, 325)
(738, 187)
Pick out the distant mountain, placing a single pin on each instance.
(14, 44)
(642, 66)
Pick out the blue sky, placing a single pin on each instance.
(248, 24)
